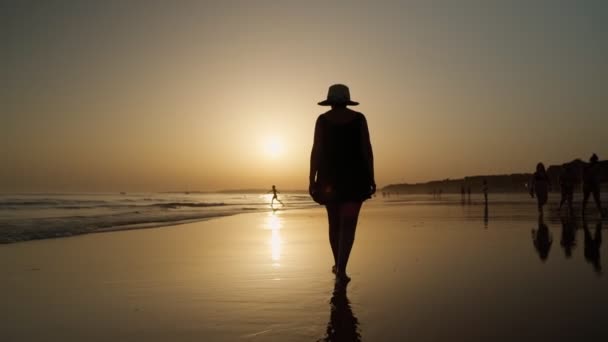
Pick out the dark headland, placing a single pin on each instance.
(516, 182)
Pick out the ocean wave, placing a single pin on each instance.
(47, 202)
(51, 227)
(174, 205)
(74, 205)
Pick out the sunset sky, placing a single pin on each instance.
(207, 95)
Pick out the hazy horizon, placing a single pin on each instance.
(114, 96)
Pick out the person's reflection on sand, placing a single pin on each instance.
(592, 246)
(485, 216)
(568, 238)
(542, 239)
(342, 325)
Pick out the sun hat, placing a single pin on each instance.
(338, 94)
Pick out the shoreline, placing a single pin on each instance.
(127, 227)
(59, 229)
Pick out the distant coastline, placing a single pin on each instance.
(509, 183)
(516, 182)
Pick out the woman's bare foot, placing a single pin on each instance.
(342, 278)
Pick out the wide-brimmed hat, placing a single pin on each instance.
(338, 94)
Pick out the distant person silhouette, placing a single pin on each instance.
(542, 239)
(275, 193)
(567, 179)
(485, 191)
(341, 171)
(568, 238)
(485, 216)
(592, 245)
(591, 184)
(539, 186)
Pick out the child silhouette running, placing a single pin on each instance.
(275, 196)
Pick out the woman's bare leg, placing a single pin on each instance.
(586, 194)
(349, 215)
(598, 202)
(333, 216)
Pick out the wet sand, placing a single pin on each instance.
(419, 272)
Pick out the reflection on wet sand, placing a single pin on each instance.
(273, 223)
(542, 239)
(342, 325)
(592, 246)
(568, 238)
(485, 216)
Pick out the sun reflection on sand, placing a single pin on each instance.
(273, 223)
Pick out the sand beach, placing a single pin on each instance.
(427, 272)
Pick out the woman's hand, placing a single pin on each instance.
(312, 189)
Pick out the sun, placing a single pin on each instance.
(273, 147)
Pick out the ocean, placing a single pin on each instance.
(26, 217)
(40, 216)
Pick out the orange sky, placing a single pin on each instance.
(121, 97)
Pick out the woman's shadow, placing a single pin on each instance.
(342, 325)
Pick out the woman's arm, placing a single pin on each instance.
(315, 154)
(531, 185)
(368, 153)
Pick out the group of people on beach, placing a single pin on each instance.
(484, 190)
(464, 192)
(540, 185)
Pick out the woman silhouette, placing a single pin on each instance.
(539, 186)
(341, 171)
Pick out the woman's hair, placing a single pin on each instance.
(540, 168)
(594, 158)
